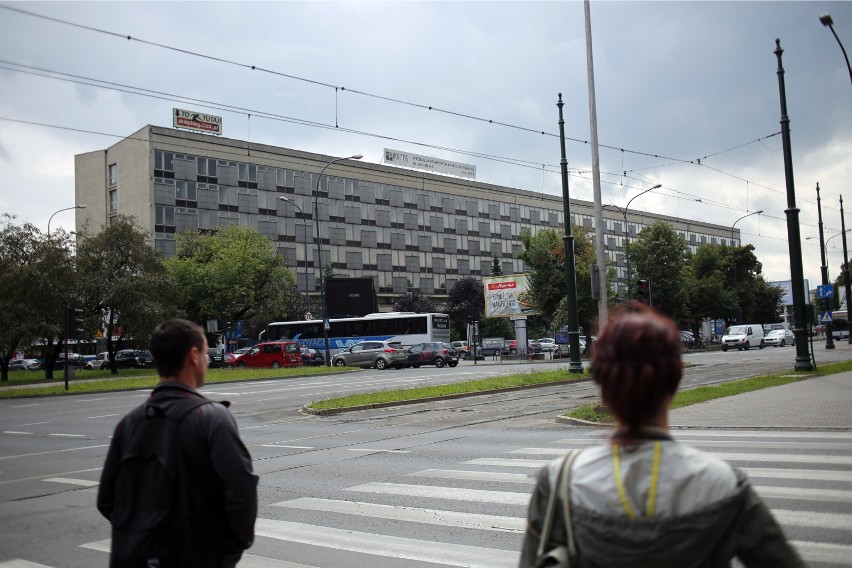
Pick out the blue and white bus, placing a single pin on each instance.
(406, 328)
(839, 325)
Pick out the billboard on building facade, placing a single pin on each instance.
(349, 297)
(507, 296)
(198, 121)
(429, 164)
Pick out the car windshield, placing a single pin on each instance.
(738, 330)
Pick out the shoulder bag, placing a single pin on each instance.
(561, 555)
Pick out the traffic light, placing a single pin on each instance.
(643, 291)
(73, 323)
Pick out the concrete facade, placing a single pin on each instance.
(395, 225)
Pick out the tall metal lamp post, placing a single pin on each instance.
(78, 206)
(829, 23)
(734, 261)
(305, 239)
(846, 271)
(829, 336)
(325, 324)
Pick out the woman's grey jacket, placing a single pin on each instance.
(703, 511)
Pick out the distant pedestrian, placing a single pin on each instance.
(177, 485)
(644, 499)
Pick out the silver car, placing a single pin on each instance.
(780, 337)
(378, 354)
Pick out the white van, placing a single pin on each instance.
(744, 336)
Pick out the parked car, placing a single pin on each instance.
(215, 357)
(533, 346)
(273, 354)
(230, 360)
(378, 354)
(241, 351)
(687, 339)
(99, 363)
(510, 347)
(311, 356)
(75, 359)
(547, 343)
(143, 360)
(743, 336)
(780, 337)
(24, 365)
(438, 354)
(462, 348)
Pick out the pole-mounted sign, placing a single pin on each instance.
(193, 120)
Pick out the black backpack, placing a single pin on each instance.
(151, 512)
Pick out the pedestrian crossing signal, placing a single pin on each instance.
(74, 323)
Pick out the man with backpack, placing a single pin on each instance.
(177, 485)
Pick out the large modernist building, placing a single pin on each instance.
(396, 225)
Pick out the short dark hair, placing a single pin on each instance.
(171, 341)
(636, 360)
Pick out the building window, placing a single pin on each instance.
(113, 201)
(164, 161)
(113, 173)
(165, 215)
(186, 190)
(206, 166)
(248, 172)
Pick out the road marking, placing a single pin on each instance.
(283, 446)
(69, 435)
(683, 435)
(508, 462)
(833, 521)
(452, 493)
(68, 480)
(786, 458)
(43, 476)
(380, 451)
(824, 552)
(100, 545)
(388, 546)
(92, 399)
(410, 514)
(711, 443)
(804, 494)
(103, 416)
(35, 423)
(26, 405)
(54, 452)
(809, 474)
(14, 432)
(18, 563)
(475, 476)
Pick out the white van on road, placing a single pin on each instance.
(743, 336)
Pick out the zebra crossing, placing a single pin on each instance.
(473, 513)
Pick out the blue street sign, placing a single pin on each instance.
(825, 291)
(825, 317)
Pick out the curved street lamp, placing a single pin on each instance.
(734, 261)
(78, 206)
(305, 241)
(319, 256)
(627, 236)
(829, 23)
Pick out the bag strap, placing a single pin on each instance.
(561, 489)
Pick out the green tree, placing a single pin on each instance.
(496, 269)
(124, 284)
(38, 281)
(544, 260)
(708, 293)
(232, 274)
(465, 302)
(414, 301)
(660, 254)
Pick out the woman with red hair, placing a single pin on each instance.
(644, 499)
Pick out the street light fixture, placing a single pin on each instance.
(325, 325)
(78, 206)
(627, 237)
(734, 261)
(829, 23)
(305, 241)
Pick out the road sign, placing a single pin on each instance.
(825, 317)
(825, 291)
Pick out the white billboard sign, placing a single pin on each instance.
(429, 164)
(506, 296)
(199, 121)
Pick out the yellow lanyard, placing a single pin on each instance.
(655, 480)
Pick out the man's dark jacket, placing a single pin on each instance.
(222, 489)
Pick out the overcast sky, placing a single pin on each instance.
(679, 80)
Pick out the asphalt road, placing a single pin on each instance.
(441, 483)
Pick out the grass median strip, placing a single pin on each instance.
(427, 392)
(147, 378)
(595, 413)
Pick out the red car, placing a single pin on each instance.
(272, 354)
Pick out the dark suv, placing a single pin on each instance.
(134, 358)
(438, 354)
(215, 357)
